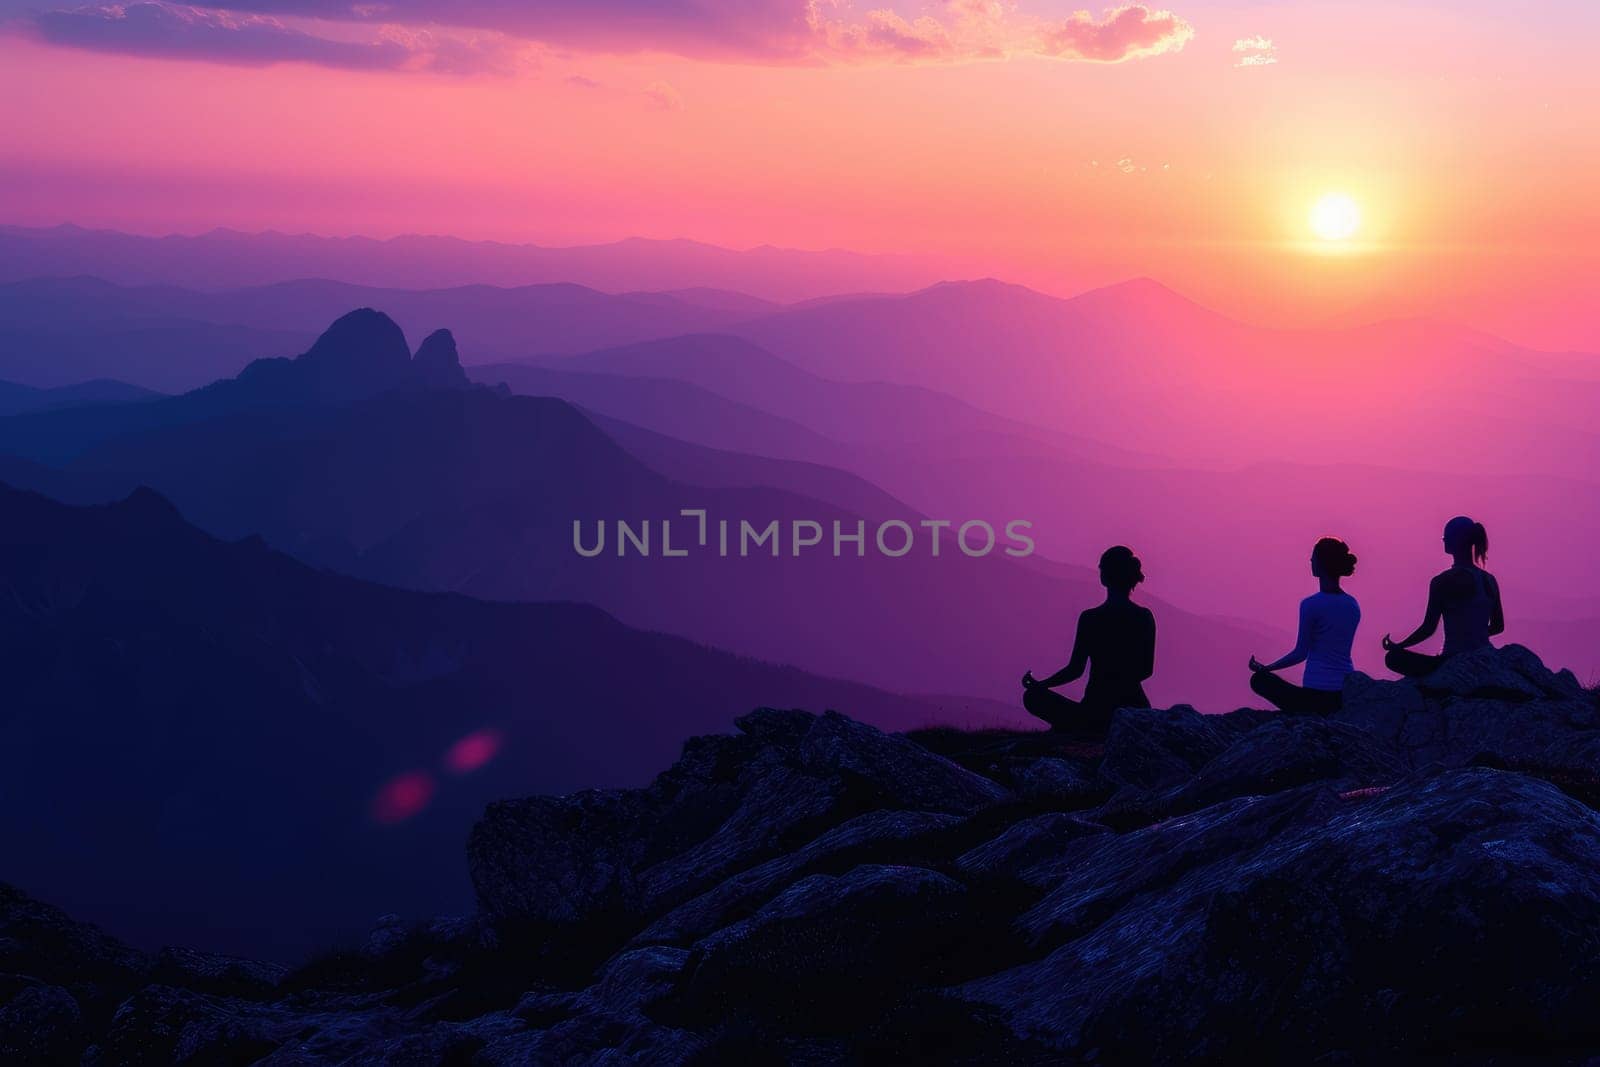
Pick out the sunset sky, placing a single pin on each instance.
(1031, 141)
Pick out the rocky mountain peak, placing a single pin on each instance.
(437, 365)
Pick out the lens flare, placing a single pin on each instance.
(473, 751)
(402, 797)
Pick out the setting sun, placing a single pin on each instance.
(1335, 217)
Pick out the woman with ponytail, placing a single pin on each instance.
(1466, 597)
(1328, 621)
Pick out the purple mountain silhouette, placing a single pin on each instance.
(471, 491)
(269, 755)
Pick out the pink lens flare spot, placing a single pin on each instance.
(473, 751)
(402, 797)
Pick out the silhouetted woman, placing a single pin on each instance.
(1328, 621)
(1466, 597)
(1116, 641)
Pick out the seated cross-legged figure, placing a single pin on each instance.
(1466, 598)
(1328, 621)
(1116, 643)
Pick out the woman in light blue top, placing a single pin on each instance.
(1328, 621)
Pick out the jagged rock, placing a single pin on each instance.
(596, 1039)
(1151, 748)
(780, 810)
(1148, 860)
(904, 773)
(1035, 851)
(830, 948)
(437, 364)
(42, 943)
(896, 837)
(557, 860)
(1381, 706)
(777, 726)
(1512, 673)
(1456, 732)
(442, 1043)
(1458, 912)
(209, 972)
(1285, 752)
(39, 1023)
(1259, 887)
(165, 1025)
(606, 1022)
(1069, 784)
(612, 860)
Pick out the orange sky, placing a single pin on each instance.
(1466, 134)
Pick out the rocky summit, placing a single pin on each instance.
(1415, 877)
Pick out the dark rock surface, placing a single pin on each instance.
(1415, 878)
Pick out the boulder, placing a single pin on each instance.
(42, 943)
(900, 771)
(1146, 861)
(1289, 751)
(39, 1023)
(563, 862)
(1512, 674)
(166, 1025)
(1056, 782)
(1459, 912)
(608, 1021)
(1151, 748)
(1035, 852)
(209, 972)
(831, 950)
(785, 728)
(1458, 730)
(893, 837)
(781, 810)
(558, 861)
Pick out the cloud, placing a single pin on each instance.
(664, 96)
(426, 34)
(1255, 51)
(578, 81)
(1130, 32)
(175, 31)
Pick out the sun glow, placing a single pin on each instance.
(1335, 217)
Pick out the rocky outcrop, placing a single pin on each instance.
(362, 354)
(437, 365)
(1417, 877)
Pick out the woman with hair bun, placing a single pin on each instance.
(1466, 597)
(1116, 641)
(1328, 621)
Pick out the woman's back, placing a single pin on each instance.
(1328, 622)
(1466, 603)
(1120, 638)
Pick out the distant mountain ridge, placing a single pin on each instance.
(16, 399)
(228, 258)
(464, 489)
(55, 331)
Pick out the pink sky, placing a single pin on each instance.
(991, 136)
